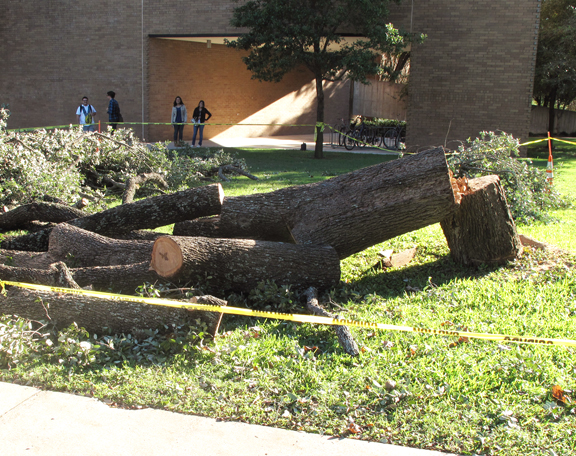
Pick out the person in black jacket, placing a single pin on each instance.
(200, 116)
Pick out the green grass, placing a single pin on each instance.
(475, 397)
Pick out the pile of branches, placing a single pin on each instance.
(77, 168)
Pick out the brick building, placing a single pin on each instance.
(474, 72)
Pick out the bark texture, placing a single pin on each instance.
(349, 212)
(207, 227)
(147, 213)
(42, 212)
(120, 279)
(94, 313)
(482, 230)
(239, 264)
(81, 248)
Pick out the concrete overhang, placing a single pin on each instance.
(219, 39)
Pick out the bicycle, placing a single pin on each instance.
(357, 135)
(341, 130)
(394, 136)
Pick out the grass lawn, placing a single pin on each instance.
(431, 392)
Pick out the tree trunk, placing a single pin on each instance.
(124, 278)
(239, 264)
(95, 313)
(81, 248)
(43, 212)
(343, 332)
(207, 227)
(482, 230)
(318, 150)
(55, 275)
(120, 279)
(350, 212)
(551, 112)
(147, 213)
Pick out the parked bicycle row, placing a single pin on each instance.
(362, 134)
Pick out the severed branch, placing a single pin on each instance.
(343, 332)
(232, 169)
(40, 211)
(134, 183)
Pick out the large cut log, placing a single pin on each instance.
(56, 275)
(143, 214)
(239, 264)
(37, 260)
(42, 212)
(81, 248)
(343, 332)
(95, 313)
(350, 212)
(121, 279)
(482, 230)
(205, 227)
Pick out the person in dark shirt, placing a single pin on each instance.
(113, 110)
(200, 116)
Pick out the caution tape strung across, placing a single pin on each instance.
(294, 317)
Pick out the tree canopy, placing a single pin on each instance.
(332, 38)
(555, 75)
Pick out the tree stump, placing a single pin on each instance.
(239, 264)
(350, 212)
(482, 230)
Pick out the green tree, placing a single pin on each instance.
(283, 34)
(555, 75)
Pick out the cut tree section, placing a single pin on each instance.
(239, 264)
(350, 212)
(482, 230)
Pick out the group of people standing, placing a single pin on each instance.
(86, 113)
(86, 116)
(180, 117)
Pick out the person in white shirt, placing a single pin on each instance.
(85, 115)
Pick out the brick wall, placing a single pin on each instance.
(55, 52)
(475, 70)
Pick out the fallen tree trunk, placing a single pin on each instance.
(43, 212)
(120, 279)
(148, 213)
(56, 275)
(206, 227)
(482, 230)
(350, 212)
(343, 332)
(96, 313)
(81, 248)
(239, 264)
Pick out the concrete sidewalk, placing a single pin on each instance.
(34, 421)
(293, 142)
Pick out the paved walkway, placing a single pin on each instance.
(285, 142)
(36, 422)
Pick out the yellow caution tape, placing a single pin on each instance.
(294, 317)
